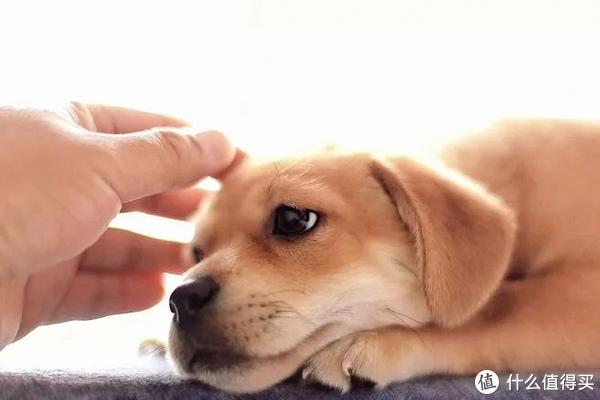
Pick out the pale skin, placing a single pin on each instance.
(65, 173)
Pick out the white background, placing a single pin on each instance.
(288, 75)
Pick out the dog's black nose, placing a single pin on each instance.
(188, 299)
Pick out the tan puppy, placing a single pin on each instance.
(390, 269)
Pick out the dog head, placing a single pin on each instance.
(294, 254)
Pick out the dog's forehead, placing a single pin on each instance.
(265, 176)
(253, 189)
(251, 182)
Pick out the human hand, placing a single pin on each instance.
(64, 175)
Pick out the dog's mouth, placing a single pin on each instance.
(214, 360)
(205, 358)
(198, 352)
(226, 369)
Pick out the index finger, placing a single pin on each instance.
(110, 119)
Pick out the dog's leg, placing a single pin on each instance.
(547, 322)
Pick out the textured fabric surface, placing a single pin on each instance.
(127, 384)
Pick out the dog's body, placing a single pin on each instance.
(409, 270)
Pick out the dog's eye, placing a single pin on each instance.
(290, 221)
(197, 254)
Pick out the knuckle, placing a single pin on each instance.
(175, 146)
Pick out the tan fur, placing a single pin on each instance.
(488, 261)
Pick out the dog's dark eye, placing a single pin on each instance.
(197, 254)
(290, 221)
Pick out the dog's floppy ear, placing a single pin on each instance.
(463, 235)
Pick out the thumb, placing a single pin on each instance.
(153, 161)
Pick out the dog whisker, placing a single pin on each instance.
(270, 322)
(289, 309)
(401, 316)
(403, 265)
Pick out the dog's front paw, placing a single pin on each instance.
(325, 366)
(376, 356)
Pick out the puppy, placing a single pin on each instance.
(388, 269)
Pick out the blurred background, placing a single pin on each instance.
(279, 76)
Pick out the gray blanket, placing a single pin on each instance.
(131, 384)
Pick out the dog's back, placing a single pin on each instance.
(548, 172)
